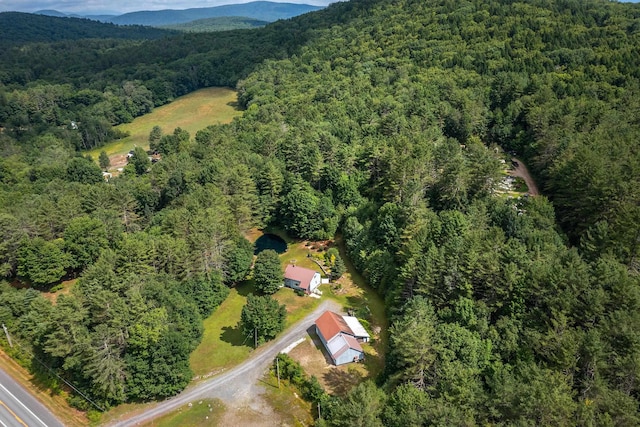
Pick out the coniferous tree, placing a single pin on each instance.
(267, 272)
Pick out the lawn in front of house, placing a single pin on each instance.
(223, 345)
(297, 306)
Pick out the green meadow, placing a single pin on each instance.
(191, 112)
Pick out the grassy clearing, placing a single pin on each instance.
(286, 402)
(64, 288)
(223, 344)
(191, 112)
(297, 253)
(297, 306)
(205, 412)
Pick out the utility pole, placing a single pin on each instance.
(255, 337)
(278, 369)
(7, 334)
(319, 416)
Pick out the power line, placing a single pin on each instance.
(7, 334)
(54, 373)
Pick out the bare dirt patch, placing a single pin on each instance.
(66, 289)
(255, 414)
(253, 234)
(118, 161)
(313, 358)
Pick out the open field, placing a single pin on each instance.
(223, 344)
(191, 112)
(201, 413)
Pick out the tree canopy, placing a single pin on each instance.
(390, 122)
(267, 272)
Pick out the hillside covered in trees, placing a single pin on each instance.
(376, 119)
(18, 28)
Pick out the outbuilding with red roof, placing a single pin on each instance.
(339, 337)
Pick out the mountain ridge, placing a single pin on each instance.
(261, 10)
(19, 27)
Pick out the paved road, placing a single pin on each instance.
(18, 408)
(239, 383)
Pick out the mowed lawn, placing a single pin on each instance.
(223, 345)
(192, 112)
(205, 412)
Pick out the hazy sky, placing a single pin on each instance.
(121, 6)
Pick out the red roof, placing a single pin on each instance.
(353, 343)
(331, 324)
(350, 342)
(299, 274)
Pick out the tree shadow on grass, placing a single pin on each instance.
(247, 287)
(43, 380)
(342, 381)
(234, 336)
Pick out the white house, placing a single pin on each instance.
(341, 336)
(302, 279)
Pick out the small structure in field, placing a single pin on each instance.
(301, 279)
(341, 336)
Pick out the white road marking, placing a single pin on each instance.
(22, 404)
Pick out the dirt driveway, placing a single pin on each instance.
(520, 170)
(239, 387)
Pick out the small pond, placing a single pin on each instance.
(270, 241)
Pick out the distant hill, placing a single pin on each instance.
(48, 12)
(20, 27)
(261, 10)
(223, 23)
(105, 17)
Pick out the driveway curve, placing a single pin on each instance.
(520, 170)
(236, 384)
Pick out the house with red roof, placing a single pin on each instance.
(302, 279)
(341, 336)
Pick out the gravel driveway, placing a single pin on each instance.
(237, 385)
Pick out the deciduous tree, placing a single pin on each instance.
(267, 272)
(262, 318)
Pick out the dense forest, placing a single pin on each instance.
(19, 28)
(384, 121)
(217, 24)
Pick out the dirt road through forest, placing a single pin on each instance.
(520, 170)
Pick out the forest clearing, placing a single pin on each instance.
(223, 346)
(192, 112)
